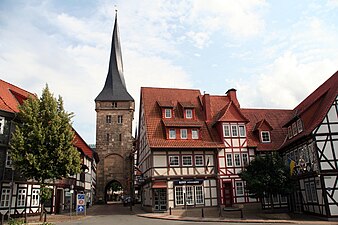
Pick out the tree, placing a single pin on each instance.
(267, 176)
(42, 143)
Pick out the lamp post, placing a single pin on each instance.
(71, 200)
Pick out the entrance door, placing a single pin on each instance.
(160, 199)
(58, 201)
(227, 194)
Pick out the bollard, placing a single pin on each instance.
(170, 211)
(202, 213)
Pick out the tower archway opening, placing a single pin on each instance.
(113, 192)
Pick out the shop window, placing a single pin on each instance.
(199, 195)
(179, 195)
(199, 160)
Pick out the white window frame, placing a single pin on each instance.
(188, 113)
(294, 128)
(119, 119)
(245, 159)
(184, 133)
(186, 157)
(234, 130)
(290, 134)
(199, 195)
(167, 113)
(2, 124)
(108, 118)
(299, 125)
(5, 197)
(200, 161)
(194, 134)
(189, 195)
(21, 197)
(226, 130)
(172, 133)
(177, 159)
(229, 159)
(241, 130)
(35, 197)
(179, 196)
(239, 186)
(237, 159)
(268, 136)
(8, 159)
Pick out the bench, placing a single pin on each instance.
(232, 209)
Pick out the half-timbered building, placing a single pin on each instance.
(311, 148)
(20, 196)
(177, 152)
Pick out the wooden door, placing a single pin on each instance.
(227, 194)
(58, 201)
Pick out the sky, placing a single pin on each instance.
(275, 53)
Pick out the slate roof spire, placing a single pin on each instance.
(115, 87)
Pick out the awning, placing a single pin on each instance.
(160, 184)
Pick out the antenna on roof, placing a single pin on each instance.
(115, 6)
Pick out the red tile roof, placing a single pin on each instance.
(274, 118)
(12, 96)
(156, 129)
(313, 109)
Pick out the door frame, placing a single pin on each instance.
(227, 185)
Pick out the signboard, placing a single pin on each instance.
(68, 194)
(183, 182)
(80, 203)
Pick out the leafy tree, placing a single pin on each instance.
(267, 176)
(42, 144)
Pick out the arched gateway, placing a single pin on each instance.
(114, 108)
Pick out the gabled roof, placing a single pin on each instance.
(230, 113)
(275, 118)
(313, 109)
(155, 128)
(115, 88)
(12, 96)
(263, 124)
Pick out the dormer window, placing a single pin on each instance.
(184, 134)
(167, 113)
(299, 125)
(188, 113)
(265, 135)
(172, 134)
(194, 134)
(294, 129)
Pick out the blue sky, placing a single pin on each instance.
(273, 52)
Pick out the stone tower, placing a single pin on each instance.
(114, 108)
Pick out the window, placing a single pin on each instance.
(114, 104)
(108, 119)
(199, 160)
(184, 133)
(8, 159)
(313, 191)
(265, 136)
(308, 192)
(35, 197)
(299, 125)
(234, 130)
(275, 198)
(188, 113)
(21, 198)
(187, 160)
(173, 161)
(245, 159)
(283, 199)
(119, 119)
(194, 134)
(167, 113)
(290, 132)
(107, 137)
(2, 124)
(229, 160)
(179, 195)
(294, 129)
(172, 134)
(237, 159)
(241, 130)
(239, 188)
(199, 195)
(226, 130)
(5, 195)
(120, 137)
(189, 192)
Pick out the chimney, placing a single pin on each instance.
(207, 107)
(231, 93)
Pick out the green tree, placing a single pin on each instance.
(42, 144)
(266, 176)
